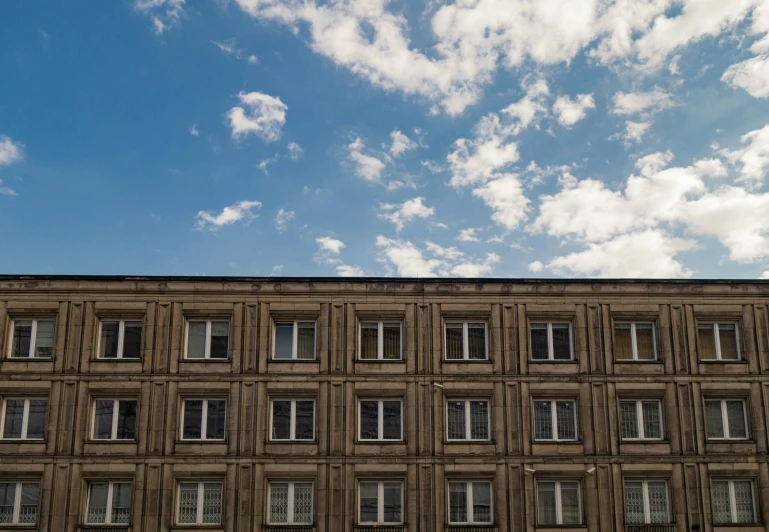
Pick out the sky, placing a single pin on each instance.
(466, 138)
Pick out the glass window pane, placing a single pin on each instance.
(743, 501)
(561, 342)
(570, 503)
(302, 503)
(126, 421)
(481, 502)
(543, 421)
(212, 503)
(284, 340)
(391, 343)
(391, 421)
(628, 419)
(458, 502)
(281, 420)
(121, 502)
(546, 503)
(196, 339)
(735, 411)
(706, 341)
(727, 334)
(369, 420)
(539, 350)
(305, 420)
(456, 420)
(97, 502)
(22, 338)
(44, 340)
(479, 420)
(109, 339)
(30, 494)
(454, 343)
(220, 339)
(103, 412)
(634, 503)
(565, 411)
(278, 502)
(658, 503)
(722, 512)
(644, 337)
(714, 420)
(368, 341)
(652, 419)
(132, 344)
(215, 419)
(623, 346)
(369, 496)
(36, 420)
(193, 419)
(393, 501)
(188, 503)
(7, 501)
(305, 341)
(14, 415)
(476, 341)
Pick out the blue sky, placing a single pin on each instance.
(504, 138)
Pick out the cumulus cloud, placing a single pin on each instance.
(536, 266)
(468, 235)
(411, 261)
(345, 270)
(753, 158)
(328, 253)
(568, 112)
(330, 245)
(403, 213)
(10, 151)
(631, 103)
(164, 14)
(194, 131)
(634, 132)
(240, 211)
(751, 75)
(400, 143)
(295, 151)
(265, 116)
(367, 167)
(283, 218)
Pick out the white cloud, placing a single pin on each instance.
(410, 261)
(10, 151)
(252, 59)
(330, 245)
(283, 218)
(264, 162)
(751, 75)
(765, 275)
(194, 131)
(230, 47)
(536, 266)
(468, 235)
(6, 191)
(642, 102)
(507, 200)
(367, 167)
(400, 143)
(265, 117)
(276, 270)
(345, 270)
(295, 151)
(476, 269)
(403, 213)
(164, 14)
(229, 215)
(634, 132)
(569, 112)
(753, 158)
(407, 258)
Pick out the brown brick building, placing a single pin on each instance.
(249, 404)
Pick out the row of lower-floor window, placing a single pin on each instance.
(378, 419)
(558, 502)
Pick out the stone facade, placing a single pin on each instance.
(425, 460)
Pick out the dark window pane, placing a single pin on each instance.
(481, 502)
(132, 344)
(735, 411)
(97, 502)
(457, 502)
(476, 341)
(281, 420)
(369, 420)
(652, 419)
(109, 339)
(479, 420)
(121, 502)
(196, 339)
(103, 419)
(193, 419)
(305, 420)
(30, 494)
(284, 341)
(546, 503)
(714, 419)
(623, 343)
(44, 339)
(644, 335)
(391, 343)
(392, 420)
(543, 421)
(7, 501)
(305, 341)
(36, 421)
(14, 415)
(368, 341)
(561, 342)
(454, 341)
(393, 512)
(706, 341)
(456, 420)
(369, 497)
(570, 514)
(126, 422)
(628, 419)
(215, 419)
(220, 339)
(727, 334)
(539, 349)
(567, 429)
(22, 336)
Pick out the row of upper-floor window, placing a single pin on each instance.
(377, 340)
(378, 419)
(558, 501)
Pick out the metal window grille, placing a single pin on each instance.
(733, 501)
(18, 502)
(470, 503)
(200, 503)
(467, 419)
(291, 503)
(466, 341)
(109, 503)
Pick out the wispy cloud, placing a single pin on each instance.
(283, 218)
(10, 151)
(230, 47)
(240, 211)
(403, 213)
(164, 14)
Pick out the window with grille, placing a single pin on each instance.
(120, 339)
(733, 501)
(635, 341)
(647, 502)
(466, 341)
(294, 340)
(292, 419)
(204, 419)
(114, 419)
(380, 340)
(718, 341)
(559, 503)
(640, 419)
(380, 419)
(290, 503)
(24, 419)
(380, 502)
(470, 503)
(726, 419)
(32, 339)
(467, 419)
(208, 339)
(108, 503)
(18, 503)
(551, 341)
(555, 420)
(199, 503)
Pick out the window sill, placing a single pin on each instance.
(207, 360)
(29, 359)
(380, 442)
(642, 362)
(716, 362)
(468, 442)
(18, 441)
(116, 360)
(198, 442)
(379, 361)
(294, 361)
(540, 361)
(292, 442)
(465, 361)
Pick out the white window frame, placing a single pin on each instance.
(204, 420)
(108, 516)
(380, 502)
(380, 413)
(640, 419)
(201, 494)
(554, 419)
(468, 418)
(24, 419)
(634, 340)
(290, 502)
(296, 323)
(380, 340)
(17, 503)
(717, 339)
(466, 341)
(550, 348)
(32, 340)
(292, 421)
(647, 505)
(115, 417)
(470, 512)
(733, 499)
(120, 338)
(725, 418)
(559, 502)
(207, 345)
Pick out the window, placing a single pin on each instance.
(32, 339)
(733, 502)
(718, 341)
(208, 339)
(294, 341)
(559, 503)
(204, 419)
(470, 502)
(467, 419)
(635, 341)
(200, 503)
(24, 419)
(290, 503)
(380, 419)
(551, 341)
(114, 419)
(380, 340)
(293, 419)
(726, 419)
(555, 420)
(18, 503)
(120, 339)
(380, 503)
(466, 341)
(109, 503)
(646, 502)
(641, 419)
